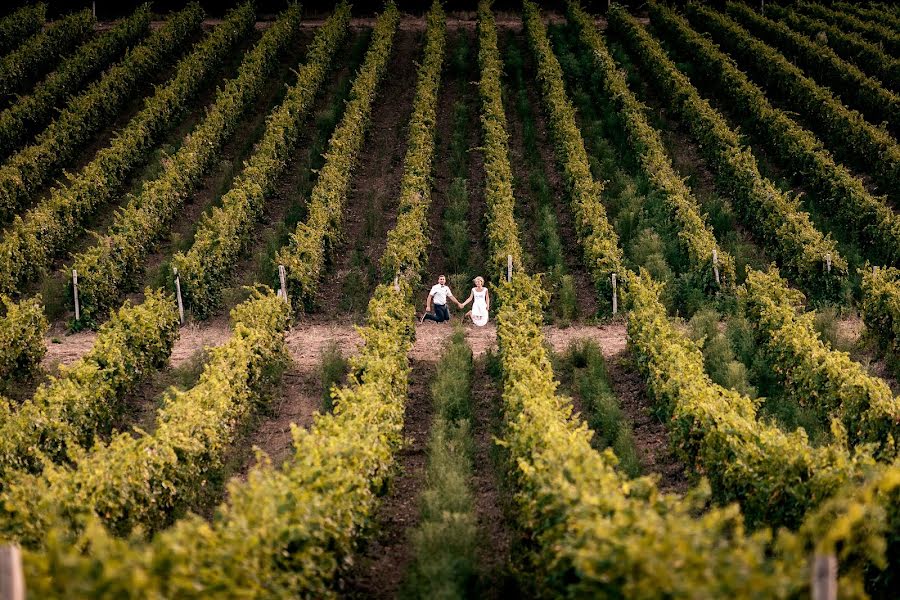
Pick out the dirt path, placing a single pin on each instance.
(371, 208)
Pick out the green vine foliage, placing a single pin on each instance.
(878, 104)
(777, 218)
(33, 166)
(844, 196)
(33, 111)
(601, 244)
(695, 237)
(877, 32)
(842, 128)
(145, 479)
(775, 476)
(105, 269)
(814, 374)
(405, 254)
(503, 235)
(85, 399)
(304, 255)
(21, 24)
(878, 14)
(880, 307)
(39, 53)
(225, 231)
(285, 532)
(22, 329)
(848, 44)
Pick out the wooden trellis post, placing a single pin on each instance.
(509, 267)
(12, 579)
(282, 278)
(615, 299)
(823, 577)
(75, 294)
(828, 262)
(716, 265)
(178, 295)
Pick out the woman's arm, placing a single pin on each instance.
(487, 299)
(469, 299)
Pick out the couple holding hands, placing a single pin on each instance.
(439, 294)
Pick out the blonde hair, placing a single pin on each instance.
(477, 279)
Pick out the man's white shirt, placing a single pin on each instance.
(439, 293)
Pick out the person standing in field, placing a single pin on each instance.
(481, 303)
(438, 296)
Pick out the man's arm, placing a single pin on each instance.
(428, 303)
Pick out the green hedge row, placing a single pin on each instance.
(41, 52)
(91, 110)
(601, 244)
(695, 237)
(877, 32)
(595, 533)
(844, 129)
(304, 254)
(32, 112)
(19, 25)
(36, 238)
(284, 532)
(848, 44)
(842, 196)
(224, 232)
(407, 246)
(147, 479)
(880, 307)
(775, 476)
(86, 398)
(776, 217)
(503, 236)
(22, 329)
(879, 14)
(876, 103)
(813, 374)
(105, 269)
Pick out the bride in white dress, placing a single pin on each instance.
(481, 303)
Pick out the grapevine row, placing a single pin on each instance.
(601, 244)
(40, 53)
(852, 46)
(813, 374)
(843, 129)
(884, 36)
(20, 24)
(694, 235)
(775, 476)
(503, 237)
(84, 401)
(304, 255)
(105, 269)
(224, 232)
(34, 239)
(880, 307)
(867, 94)
(845, 197)
(33, 166)
(405, 254)
(146, 479)
(284, 532)
(32, 112)
(777, 218)
(870, 13)
(22, 329)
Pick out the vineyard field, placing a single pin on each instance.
(662, 358)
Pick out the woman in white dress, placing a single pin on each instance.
(481, 303)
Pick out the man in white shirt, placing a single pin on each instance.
(438, 296)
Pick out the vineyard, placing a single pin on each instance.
(218, 234)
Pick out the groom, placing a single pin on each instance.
(439, 294)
